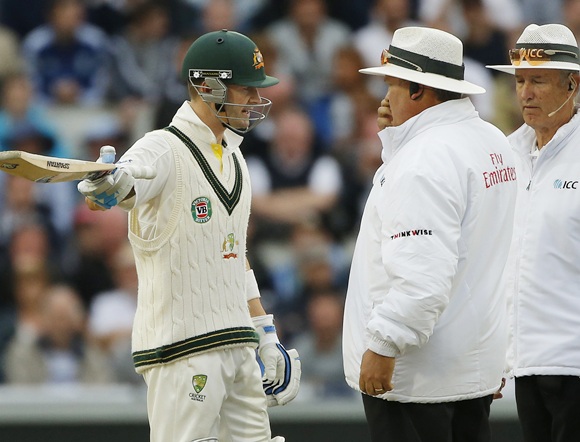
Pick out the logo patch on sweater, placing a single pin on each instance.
(201, 210)
(230, 246)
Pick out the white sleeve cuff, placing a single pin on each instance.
(252, 290)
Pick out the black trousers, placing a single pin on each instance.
(461, 421)
(549, 408)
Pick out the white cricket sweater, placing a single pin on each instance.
(188, 231)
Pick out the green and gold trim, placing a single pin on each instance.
(221, 338)
(228, 199)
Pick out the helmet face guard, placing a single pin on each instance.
(218, 95)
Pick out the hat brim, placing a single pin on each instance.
(558, 65)
(425, 78)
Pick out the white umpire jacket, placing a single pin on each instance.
(544, 263)
(426, 283)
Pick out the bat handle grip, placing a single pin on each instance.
(107, 155)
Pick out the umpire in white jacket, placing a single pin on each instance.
(544, 263)
(425, 322)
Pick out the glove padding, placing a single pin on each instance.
(111, 189)
(284, 392)
(281, 368)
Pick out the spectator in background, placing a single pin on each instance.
(21, 208)
(60, 354)
(19, 110)
(111, 316)
(56, 199)
(314, 262)
(320, 347)
(201, 16)
(542, 11)
(485, 43)
(385, 17)
(218, 14)
(354, 14)
(143, 64)
(67, 58)
(27, 267)
(10, 54)
(26, 231)
(294, 181)
(143, 54)
(571, 13)
(106, 130)
(28, 245)
(95, 240)
(110, 15)
(307, 40)
(506, 15)
(25, 278)
(174, 91)
(359, 160)
(23, 18)
(281, 95)
(349, 100)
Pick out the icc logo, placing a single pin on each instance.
(559, 184)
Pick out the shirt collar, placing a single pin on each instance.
(188, 121)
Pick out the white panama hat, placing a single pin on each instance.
(427, 56)
(551, 46)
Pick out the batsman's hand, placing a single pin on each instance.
(281, 368)
(109, 190)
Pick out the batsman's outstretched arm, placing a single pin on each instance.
(111, 189)
(281, 368)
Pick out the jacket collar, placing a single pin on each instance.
(449, 112)
(523, 139)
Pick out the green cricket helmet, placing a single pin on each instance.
(222, 58)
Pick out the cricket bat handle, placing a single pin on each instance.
(107, 155)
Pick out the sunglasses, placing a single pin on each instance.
(536, 57)
(386, 55)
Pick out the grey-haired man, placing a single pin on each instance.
(544, 263)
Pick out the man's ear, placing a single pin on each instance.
(415, 90)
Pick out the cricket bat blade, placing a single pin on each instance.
(46, 169)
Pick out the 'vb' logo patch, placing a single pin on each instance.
(201, 210)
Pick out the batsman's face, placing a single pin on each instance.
(243, 99)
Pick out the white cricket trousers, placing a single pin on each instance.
(213, 394)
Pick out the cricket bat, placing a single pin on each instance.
(46, 169)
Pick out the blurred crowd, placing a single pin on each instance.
(76, 75)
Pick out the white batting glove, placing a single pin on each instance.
(112, 188)
(282, 369)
